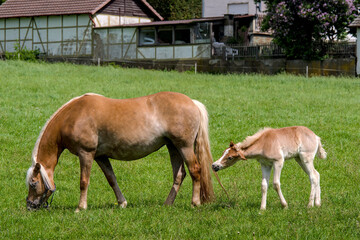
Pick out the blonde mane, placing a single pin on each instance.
(44, 176)
(251, 139)
(36, 147)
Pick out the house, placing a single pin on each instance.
(243, 23)
(64, 27)
(119, 30)
(156, 41)
(356, 24)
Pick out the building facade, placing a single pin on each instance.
(64, 27)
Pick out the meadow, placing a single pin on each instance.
(238, 106)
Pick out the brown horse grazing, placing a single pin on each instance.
(95, 127)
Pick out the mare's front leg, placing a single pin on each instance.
(108, 171)
(86, 160)
(278, 165)
(266, 171)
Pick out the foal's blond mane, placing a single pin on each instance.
(251, 139)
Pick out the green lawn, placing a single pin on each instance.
(238, 106)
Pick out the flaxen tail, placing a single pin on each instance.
(203, 154)
(321, 151)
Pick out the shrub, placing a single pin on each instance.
(22, 54)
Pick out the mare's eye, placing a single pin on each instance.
(34, 184)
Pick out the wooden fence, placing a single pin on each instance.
(333, 50)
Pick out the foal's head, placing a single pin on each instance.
(230, 156)
(39, 187)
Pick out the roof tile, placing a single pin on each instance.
(31, 8)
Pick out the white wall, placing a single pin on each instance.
(217, 8)
(358, 51)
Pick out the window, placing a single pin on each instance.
(202, 32)
(238, 8)
(164, 36)
(174, 35)
(182, 36)
(147, 36)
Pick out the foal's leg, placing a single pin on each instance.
(86, 160)
(108, 171)
(306, 161)
(266, 171)
(194, 170)
(179, 173)
(278, 165)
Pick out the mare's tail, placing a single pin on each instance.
(321, 152)
(203, 154)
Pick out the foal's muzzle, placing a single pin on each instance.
(215, 167)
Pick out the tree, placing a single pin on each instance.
(302, 26)
(177, 9)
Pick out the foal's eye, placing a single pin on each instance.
(230, 158)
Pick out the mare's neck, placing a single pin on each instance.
(47, 151)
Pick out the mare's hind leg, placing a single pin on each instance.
(179, 173)
(86, 160)
(195, 172)
(306, 161)
(108, 171)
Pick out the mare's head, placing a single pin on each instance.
(230, 156)
(39, 187)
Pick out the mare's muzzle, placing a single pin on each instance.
(41, 203)
(36, 204)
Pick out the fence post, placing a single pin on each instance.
(307, 71)
(195, 67)
(98, 62)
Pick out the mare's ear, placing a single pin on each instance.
(242, 156)
(36, 169)
(231, 144)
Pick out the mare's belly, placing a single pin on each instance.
(124, 150)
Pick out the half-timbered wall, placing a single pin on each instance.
(68, 35)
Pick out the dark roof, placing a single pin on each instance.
(177, 22)
(31, 8)
(355, 23)
(173, 22)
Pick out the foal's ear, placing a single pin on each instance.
(231, 144)
(242, 156)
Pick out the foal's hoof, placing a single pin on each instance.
(77, 210)
(262, 211)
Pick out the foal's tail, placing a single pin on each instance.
(321, 151)
(203, 153)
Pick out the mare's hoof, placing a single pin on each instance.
(123, 205)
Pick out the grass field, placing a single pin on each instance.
(238, 106)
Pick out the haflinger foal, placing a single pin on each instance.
(271, 147)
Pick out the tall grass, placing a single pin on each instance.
(238, 106)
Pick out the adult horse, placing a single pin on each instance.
(94, 127)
